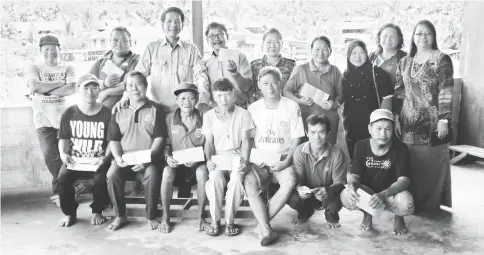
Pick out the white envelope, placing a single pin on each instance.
(226, 162)
(110, 68)
(225, 54)
(190, 155)
(317, 95)
(364, 201)
(82, 167)
(258, 156)
(137, 157)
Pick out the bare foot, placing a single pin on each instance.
(367, 223)
(269, 238)
(299, 220)
(153, 224)
(399, 227)
(67, 221)
(118, 222)
(334, 225)
(165, 226)
(202, 224)
(97, 219)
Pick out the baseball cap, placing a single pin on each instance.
(87, 79)
(380, 114)
(185, 86)
(49, 39)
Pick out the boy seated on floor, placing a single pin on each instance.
(381, 168)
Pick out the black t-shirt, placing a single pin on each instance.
(380, 172)
(88, 134)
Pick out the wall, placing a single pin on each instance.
(471, 68)
(21, 161)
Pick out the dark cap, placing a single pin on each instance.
(48, 39)
(185, 86)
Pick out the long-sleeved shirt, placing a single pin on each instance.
(423, 95)
(169, 66)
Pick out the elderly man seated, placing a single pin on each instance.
(184, 132)
(138, 126)
(381, 168)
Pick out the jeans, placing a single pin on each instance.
(49, 146)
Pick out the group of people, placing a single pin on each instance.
(396, 115)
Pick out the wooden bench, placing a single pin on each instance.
(465, 150)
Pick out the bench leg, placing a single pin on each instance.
(458, 158)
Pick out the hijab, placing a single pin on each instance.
(360, 74)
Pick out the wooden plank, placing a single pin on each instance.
(458, 158)
(456, 101)
(471, 150)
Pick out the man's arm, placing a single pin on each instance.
(292, 85)
(209, 147)
(157, 148)
(298, 162)
(244, 74)
(65, 90)
(42, 87)
(288, 161)
(116, 150)
(201, 77)
(338, 173)
(400, 185)
(246, 146)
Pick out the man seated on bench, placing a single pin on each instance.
(139, 125)
(321, 172)
(227, 132)
(278, 129)
(83, 135)
(381, 168)
(184, 132)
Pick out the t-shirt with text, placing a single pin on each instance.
(88, 134)
(380, 172)
(47, 109)
(275, 128)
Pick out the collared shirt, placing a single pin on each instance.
(217, 70)
(180, 136)
(285, 65)
(128, 64)
(137, 129)
(169, 66)
(328, 170)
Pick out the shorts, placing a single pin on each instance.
(265, 178)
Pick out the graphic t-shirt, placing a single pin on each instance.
(380, 172)
(47, 109)
(275, 128)
(88, 134)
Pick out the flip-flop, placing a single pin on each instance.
(203, 226)
(232, 226)
(211, 231)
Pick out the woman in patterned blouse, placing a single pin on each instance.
(422, 106)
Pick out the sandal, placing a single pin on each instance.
(233, 227)
(211, 231)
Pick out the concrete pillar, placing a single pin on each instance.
(471, 127)
(197, 24)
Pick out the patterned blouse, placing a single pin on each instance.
(423, 95)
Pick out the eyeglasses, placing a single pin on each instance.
(219, 36)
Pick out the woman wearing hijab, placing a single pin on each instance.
(365, 89)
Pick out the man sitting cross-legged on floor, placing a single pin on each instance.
(184, 132)
(140, 125)
(227, 132)
(321, 171)
(278, 129)
(83, 135)
(381, 168)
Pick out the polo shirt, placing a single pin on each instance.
(326, 171)
(128, 64)
(168, 67)
(217, 70)
(180, 136)
(285, 65)
(380, 172)
(137, 129)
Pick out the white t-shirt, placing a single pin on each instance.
(275, 128)
(227, 134)
(48, 109)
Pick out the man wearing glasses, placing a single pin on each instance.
(50, 81)
(113, 85)
(237, 70)
(171, 61)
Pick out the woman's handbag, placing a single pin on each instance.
(376, 86)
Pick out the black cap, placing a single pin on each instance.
(48, 39)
